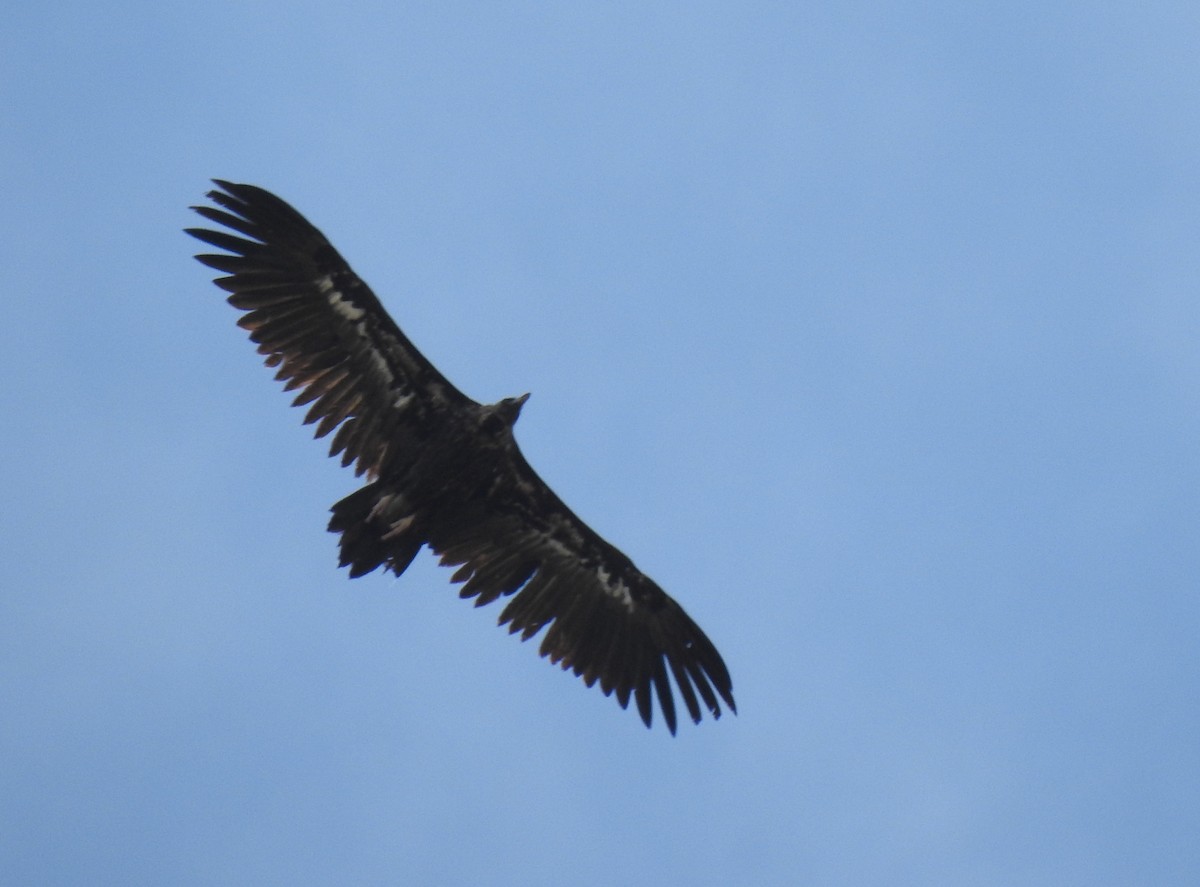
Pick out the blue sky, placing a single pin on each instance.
(869, 330)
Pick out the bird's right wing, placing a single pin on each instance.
(322, 326)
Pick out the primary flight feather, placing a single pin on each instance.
(445, 471)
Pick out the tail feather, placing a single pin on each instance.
(371, 535)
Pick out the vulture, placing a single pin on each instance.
(444, 471)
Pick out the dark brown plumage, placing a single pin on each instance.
(445, 471)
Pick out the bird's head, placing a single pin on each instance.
(510, 407)
(504, 414)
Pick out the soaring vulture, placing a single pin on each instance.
(445, 471)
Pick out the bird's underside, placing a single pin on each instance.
(445, 471)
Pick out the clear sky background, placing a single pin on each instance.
(870, 330)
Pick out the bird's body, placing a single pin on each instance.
(445, 471)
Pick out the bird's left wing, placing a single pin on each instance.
(608, 621)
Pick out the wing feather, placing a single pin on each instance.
(604, 619)
(310, 314)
